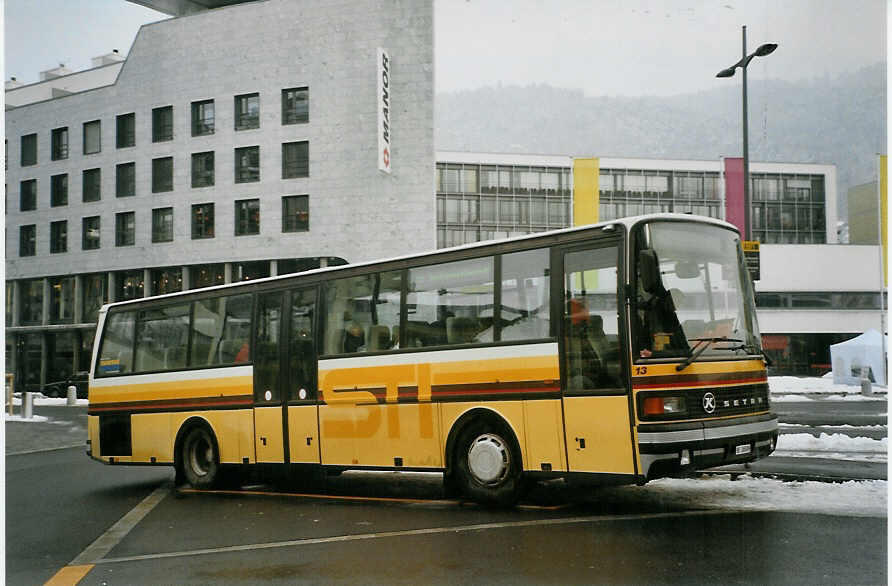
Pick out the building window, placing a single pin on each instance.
(125, 180)
(162, 124)
(90, 235)
(295, 159)
(31, 312)
(28, 195)
(126, 131)
(162, 225)
(247, 164)
(59, 236)
(203, 118)
(207, 275)
(129, 285)
(168, 280)
(202, 221)
(125, 229)
(295, 105)
(162, 174)
(59, 190)
(61, 300)
(203, 169)
(92, 185)
(247, 217)
(28, 240)
(92, 137)
(295, 213)
(59, 144)
(95, 295)
(247, 111)
(29, 150)
(248, 271)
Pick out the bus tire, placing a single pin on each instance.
(487, 463)
(199, 458)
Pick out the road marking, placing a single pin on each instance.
(434, 502)
(410, 533)
(80, 445)
(113, 536)
(69, 575)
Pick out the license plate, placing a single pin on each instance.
(742, 449)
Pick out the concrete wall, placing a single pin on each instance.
(356, 212)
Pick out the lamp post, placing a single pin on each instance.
(762, 51)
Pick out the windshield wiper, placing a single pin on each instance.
(702, 345)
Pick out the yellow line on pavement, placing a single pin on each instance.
(69, 575)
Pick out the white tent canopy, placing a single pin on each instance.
(865, 350)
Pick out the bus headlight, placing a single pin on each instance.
(664, 406)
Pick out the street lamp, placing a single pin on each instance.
(762, 51)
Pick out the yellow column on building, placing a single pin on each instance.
(586, 196)
(884, 220)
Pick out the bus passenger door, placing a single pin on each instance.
(269, 417)
(300, 388)
(595, 392)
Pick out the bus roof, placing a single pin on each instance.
(628, 222)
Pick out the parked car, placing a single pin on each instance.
(60, 388)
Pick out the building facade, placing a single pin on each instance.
(233, 143)
(812, 292)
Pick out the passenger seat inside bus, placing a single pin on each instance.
(379, 338)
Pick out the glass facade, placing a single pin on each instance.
(633, 192)
(490, 202)
(785, 208)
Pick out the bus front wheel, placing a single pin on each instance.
(199, 459)
(488, 464)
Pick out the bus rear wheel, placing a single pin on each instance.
(199, 459)
(487, 464)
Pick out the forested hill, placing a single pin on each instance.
(840, 120)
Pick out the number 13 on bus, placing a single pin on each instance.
(614, 353)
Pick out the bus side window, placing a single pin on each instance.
(451, 303)
(591, 319)
(221, 330)
(525, 303)
(360, 312)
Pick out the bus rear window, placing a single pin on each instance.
(116, 356)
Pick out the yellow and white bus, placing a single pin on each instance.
(619, 352)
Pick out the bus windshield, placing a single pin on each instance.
(692, 293)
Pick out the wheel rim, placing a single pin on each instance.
(489, 459)
(201, 454)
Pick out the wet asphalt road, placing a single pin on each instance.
(59, 502)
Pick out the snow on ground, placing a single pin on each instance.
(34, 418)
(39, 400)
(835, 446)
(784, 386)
(854, 498)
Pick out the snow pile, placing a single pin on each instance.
(850, 499)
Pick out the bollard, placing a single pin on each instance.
(866, 388)
(72, 396)
(27, 405)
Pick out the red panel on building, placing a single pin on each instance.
(734, 211)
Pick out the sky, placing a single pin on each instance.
(604, 47)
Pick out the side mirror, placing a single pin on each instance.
(649, 270)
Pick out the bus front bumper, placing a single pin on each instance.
(674, 449)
